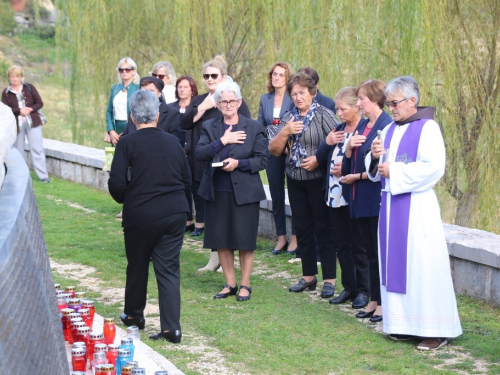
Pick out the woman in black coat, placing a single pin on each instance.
(233, 149)
(363, 196)
(149, 175)
(201, 109)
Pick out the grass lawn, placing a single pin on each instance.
(276, 332)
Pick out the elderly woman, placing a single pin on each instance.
(234, 150)
(203, 108)
(272, 107)
(417, 289)
(303, 130)
(165, 71)
(25, 101)
(118, 110)
(329, 155)
(149, 175)
(363, 197)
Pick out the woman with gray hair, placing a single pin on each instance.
(234, 150)
(165, 71)
(151, 184)
(118, 109)
(417, 289)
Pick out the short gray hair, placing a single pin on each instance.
(144, 106)
(405, 85)
(169, 69)
(227, 86)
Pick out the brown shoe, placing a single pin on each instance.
(432, 344)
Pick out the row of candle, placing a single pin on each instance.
(97, 348)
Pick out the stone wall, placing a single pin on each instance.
(474, 254)
(31, 337)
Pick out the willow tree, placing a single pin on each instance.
(449, 46)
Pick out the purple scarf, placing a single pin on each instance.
(393, 258)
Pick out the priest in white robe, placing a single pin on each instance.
(409, 159)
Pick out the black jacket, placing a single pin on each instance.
(247, 185)
(195, 127)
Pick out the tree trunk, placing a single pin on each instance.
(466, 207)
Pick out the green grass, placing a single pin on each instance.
(276, 332)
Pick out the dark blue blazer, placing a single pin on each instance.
(266, 107)
(323, 100)
(247, 185)
(366, 202)
(324, 157)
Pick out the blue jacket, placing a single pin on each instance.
(366, 201)
(115, 89)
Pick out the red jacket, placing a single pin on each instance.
(32, 99)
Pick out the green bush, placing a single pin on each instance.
(42, 31)
(7, 21)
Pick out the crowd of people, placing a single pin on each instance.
(359, 185)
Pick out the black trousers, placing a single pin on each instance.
(189, 197)
(275, 171)
(311, 218)
(199, 202)
(365, 251)
(341, 223)
(161, 239)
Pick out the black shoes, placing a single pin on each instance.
(364, 314)
(232, 292)
(245, 298)
(343, 297)
(190, 228)
(293, 252)
(303, 285)
(328, 290)
(279, 251)
(360, 301)
(376, 318)
(174, 336)
(197, 232)
(139, 322)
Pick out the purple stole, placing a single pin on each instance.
(393, 255)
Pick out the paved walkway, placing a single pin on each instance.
(147, 357)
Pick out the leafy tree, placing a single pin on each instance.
(449, 46)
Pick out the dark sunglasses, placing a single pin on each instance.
(160, 76)
(121, 70)
(213, 76)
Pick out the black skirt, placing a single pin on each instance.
(230, 226)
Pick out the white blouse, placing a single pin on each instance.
(120, 106)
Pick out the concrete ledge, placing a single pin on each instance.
(31, 329)
(474, 254)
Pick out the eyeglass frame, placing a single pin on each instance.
(212, 75)
(227, 103)
(394, 103)
(122, 70)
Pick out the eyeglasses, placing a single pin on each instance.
(160, 76)
(230, 103)
(121, 70)
(394, 103)
(213, 76)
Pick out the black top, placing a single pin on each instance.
(149, 175)
(195, 127)
(169, 122)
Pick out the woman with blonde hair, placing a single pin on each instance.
(201, 109)
(118, 110)
(329, 155)
(26, 102)
(272, 107)
(165, 71)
